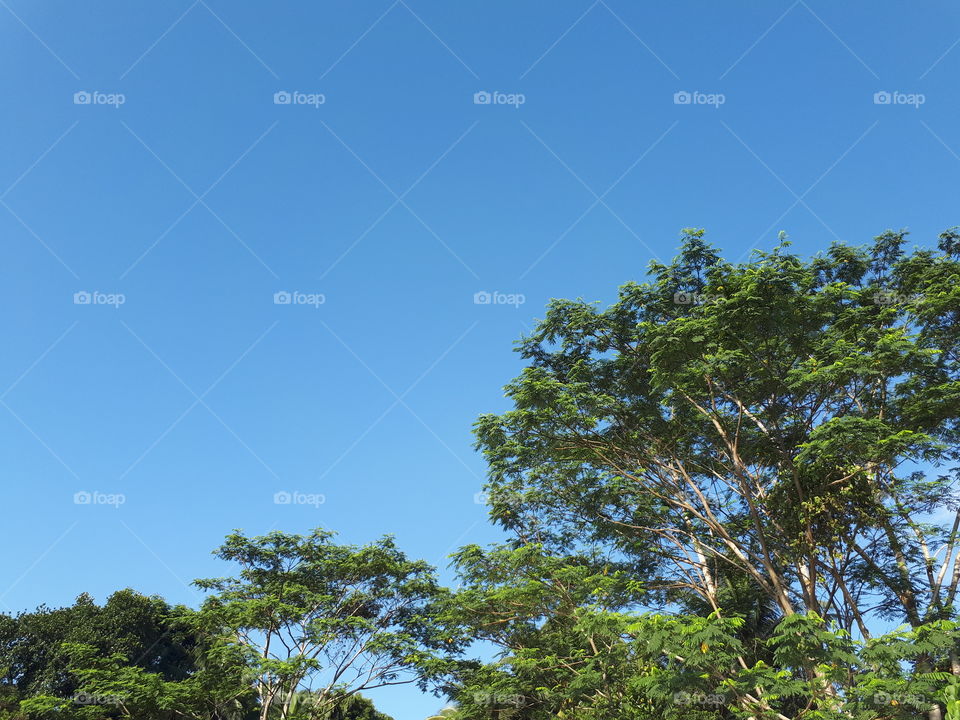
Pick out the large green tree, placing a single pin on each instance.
(317, 622)
(775, 433)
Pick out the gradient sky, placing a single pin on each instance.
(396, 199)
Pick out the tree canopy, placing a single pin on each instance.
(730, 494)
(759, 439)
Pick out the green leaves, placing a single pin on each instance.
(563, 644)
(306, 612)
(778, 429)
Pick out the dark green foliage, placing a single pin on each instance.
(761, 441)
(144, 630)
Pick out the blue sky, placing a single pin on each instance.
(394, 200)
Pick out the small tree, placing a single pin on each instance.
(331, 620)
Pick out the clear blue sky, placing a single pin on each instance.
(398, 198)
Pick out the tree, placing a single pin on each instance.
(777, 428)
(353, 707)
(562, 642)
(34, 655)
(353, 617)
(330, 620)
